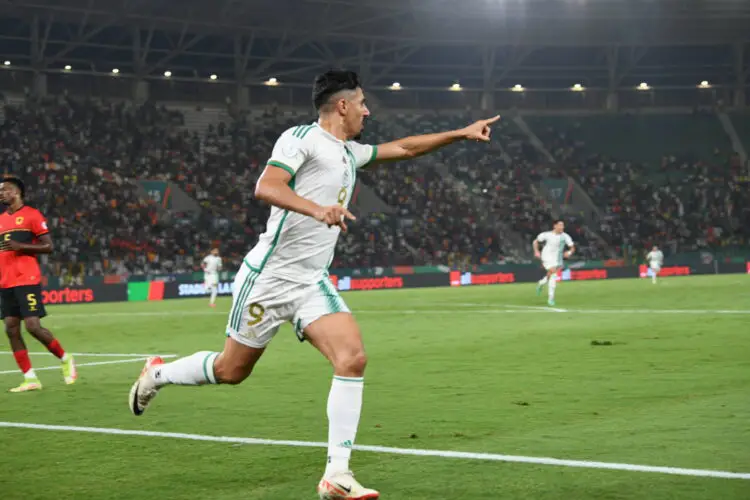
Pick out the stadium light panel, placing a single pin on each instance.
(577, 88)
(213, 77)
(518, 88)
(68, 67)
(115, 71)
(456, 87)
(272, 82)
(395, 86)
(7, 63)
(705, 85)
(643, 86)
(167, 74)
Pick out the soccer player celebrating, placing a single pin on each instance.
(552, 256)
(655, 260)
(23, 235)
(309, 181)
(211, 266)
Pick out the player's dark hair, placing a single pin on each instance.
(557, 221)
(332, 82)
(18, 183)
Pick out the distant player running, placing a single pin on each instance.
(655, 261)
(211, 266)
(309, 181)
(552, 256)
(23, 235)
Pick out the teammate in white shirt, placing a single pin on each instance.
(211, 266)
(655, 261)
(552, 256)
(309, 181)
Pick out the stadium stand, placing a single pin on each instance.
(657, 179)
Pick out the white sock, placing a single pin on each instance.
(29, 374)
(543, 281)
(197, 369)
(214, 293)
(344, 408)
(552, 286)
(653, 277)
(64, 358)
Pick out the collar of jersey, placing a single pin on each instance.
(329, 135)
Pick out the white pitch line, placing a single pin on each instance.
(443, 311)
(394, 451)
(537, 308)
(78, 365)
(138, 313)
(101, 354)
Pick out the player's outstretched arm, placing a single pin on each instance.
(273, 188)
(45, 246)
(570, 251)
(418, 145)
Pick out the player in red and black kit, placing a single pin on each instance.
(23, 235)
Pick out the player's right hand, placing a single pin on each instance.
(334, 215)
(538, 254)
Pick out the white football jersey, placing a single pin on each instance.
(212, 264)
(655, 258)
(324, 170)
(554, 245)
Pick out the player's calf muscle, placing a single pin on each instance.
(231, 374)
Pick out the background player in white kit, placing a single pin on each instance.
(655, 261)
(211, 266)
(552, 256)
(309, 181)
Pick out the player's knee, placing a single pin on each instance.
(352, 364)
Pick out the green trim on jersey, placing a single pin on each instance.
(562, 249)
(282, 166)
(307, 130)
(244, 261)
(278, 232)
(301, 131)
(373, 156)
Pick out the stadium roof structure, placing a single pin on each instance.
(427, 44)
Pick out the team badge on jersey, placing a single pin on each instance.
(19, 221)
(290, 151)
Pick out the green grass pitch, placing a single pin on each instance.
(481, 370)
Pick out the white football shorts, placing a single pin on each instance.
(210, 280)
(261, 303)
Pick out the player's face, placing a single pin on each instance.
(559, 227)
(355, 113)
(214, 252)
(7, 193)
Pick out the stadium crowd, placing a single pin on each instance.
(81, 160)
(682, 202)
